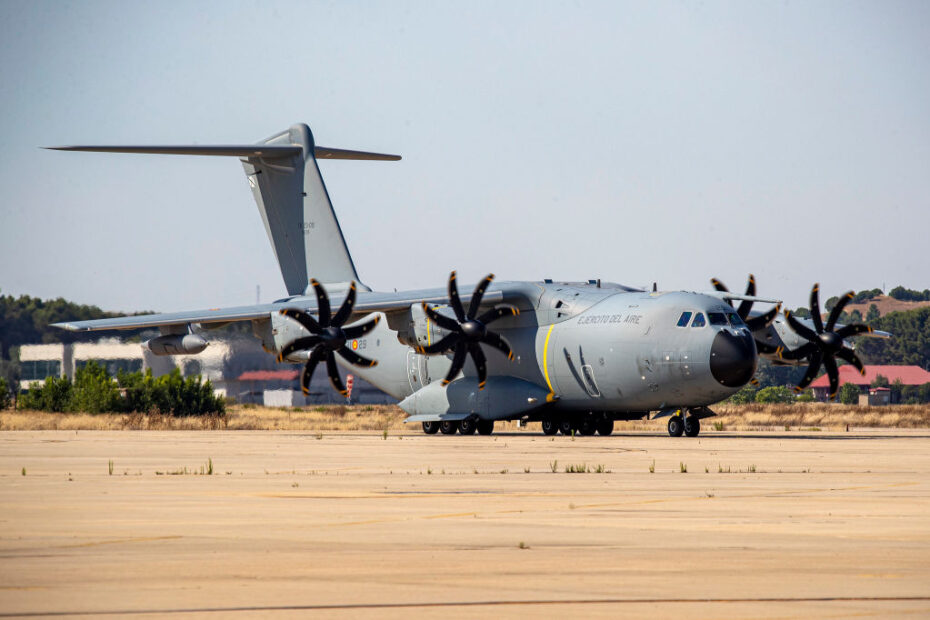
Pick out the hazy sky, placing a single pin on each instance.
(635, 142)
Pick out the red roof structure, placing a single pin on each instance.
(269, 375)
(909, 375)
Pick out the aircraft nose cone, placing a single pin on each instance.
(733, 358)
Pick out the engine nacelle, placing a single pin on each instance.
(176, 344)
(415, 329)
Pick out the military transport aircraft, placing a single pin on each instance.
(575, 356)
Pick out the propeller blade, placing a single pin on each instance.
(315, 356)
(301, 344)
(848, 355)
(307, 321)
(481, 364)
(499, 343)
(801, 329)
(478, 295)
(357, 331)
(815, 309)
(440, 320)
(345, 310)
(454, 300)
(458, 361)
(763, 320)
(446, 343)
(498, 312)
(322, 302)
(333, 372)
(830, 364)
(812, 369)
(720, 286)
(354, 358)
(746, 305)
(838, 310)
(800, 353)
(852, 330)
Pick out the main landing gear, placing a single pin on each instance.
(679, 425)
(468, 426)
(587, 425)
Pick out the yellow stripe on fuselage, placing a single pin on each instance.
(546, 359)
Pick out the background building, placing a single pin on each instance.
(238, 368)
(907, 375)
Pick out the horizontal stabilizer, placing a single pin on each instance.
(234, 150)
(322, 152)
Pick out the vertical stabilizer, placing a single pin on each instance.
(298, 214)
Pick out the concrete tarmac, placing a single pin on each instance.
(762, 525)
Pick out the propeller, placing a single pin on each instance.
(327, 337)
(824, 343)
(467, 331)
(753, 323)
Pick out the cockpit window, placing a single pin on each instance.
(735, 320)
(698, 320)
(717, 318)
(683, 319)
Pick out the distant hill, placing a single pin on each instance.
(885, 304)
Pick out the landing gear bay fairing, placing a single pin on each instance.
(574, 356)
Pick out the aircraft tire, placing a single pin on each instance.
(485, 427)
(676, 426)
(605, 427)
(588, 426)
(468, 426)
(448, 427)
(550, 426)
(566, 427)
(692, 427)
(430, 428)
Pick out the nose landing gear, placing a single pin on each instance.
(687, 421)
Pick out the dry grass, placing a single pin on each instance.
(238, 417)
(799, 416)
(818, 415)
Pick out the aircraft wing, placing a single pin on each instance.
(367, 302)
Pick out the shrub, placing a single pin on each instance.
(849, 394)
(746, 395)
(4, 394)
(94, 391)
(53, 395)
(880, 381)
(775, 394)
(923, 393)
(807, 396)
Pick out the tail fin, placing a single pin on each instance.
(292, 199)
